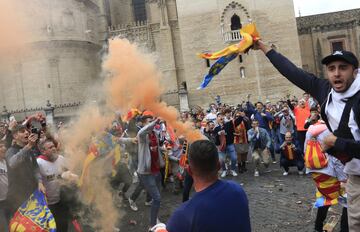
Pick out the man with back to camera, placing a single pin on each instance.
(339, 98)
(218, 205)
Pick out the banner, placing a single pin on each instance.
(33, 215)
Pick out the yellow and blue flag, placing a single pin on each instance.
(216, 68)
(33, 215)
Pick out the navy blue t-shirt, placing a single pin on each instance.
(222, 206)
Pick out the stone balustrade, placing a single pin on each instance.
(136, 31)
(232, 36)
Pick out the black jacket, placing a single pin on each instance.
(229, 130)
(23, 174)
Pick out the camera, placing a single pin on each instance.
(35, 130)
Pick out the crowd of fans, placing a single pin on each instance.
(324, 139)
(31, 154)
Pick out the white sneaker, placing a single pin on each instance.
(285, 173)
(223, 174)
(135, 178)
(256, 173)
(132, 204)
(148, 203)
(301, 173)
(233, 173)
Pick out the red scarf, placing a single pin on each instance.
(289, 152)
(44, 158)
(154, 152)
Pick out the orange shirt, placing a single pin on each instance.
(301, 114)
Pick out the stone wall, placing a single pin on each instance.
(62, 56)
(316, 32)
(201, 24)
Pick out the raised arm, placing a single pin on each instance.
(302, 79)
(146, 129)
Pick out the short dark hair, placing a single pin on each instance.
(259, 102)
(203, 158)
(42, 144)
(314, 108)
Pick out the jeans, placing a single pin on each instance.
(230, 150)
(151, 183)
(259, 155)
(139, 187)
(276, 139)
(301, 135)
(285, 163)
(4, 216)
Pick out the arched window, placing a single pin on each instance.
(139, 10)
(235, 23)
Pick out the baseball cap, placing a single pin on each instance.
(346, 56)
(18, 128)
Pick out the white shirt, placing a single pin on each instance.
(3, 180)
(51, 174)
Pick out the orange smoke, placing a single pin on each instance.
(12, 26)
(135, 82)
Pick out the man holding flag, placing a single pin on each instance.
(339, 96)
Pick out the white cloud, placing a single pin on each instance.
(310, 7)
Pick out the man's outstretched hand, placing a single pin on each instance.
(260, 45)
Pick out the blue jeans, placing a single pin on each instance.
(230, 150)
(152, 183)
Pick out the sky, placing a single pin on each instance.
(310, 7)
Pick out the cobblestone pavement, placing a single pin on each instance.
(277, 203)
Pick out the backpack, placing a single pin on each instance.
(315, 158)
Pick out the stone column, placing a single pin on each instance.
(183, 98)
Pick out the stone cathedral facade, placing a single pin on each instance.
(69, 37)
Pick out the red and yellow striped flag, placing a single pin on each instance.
(329, 189)
(314, 157)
